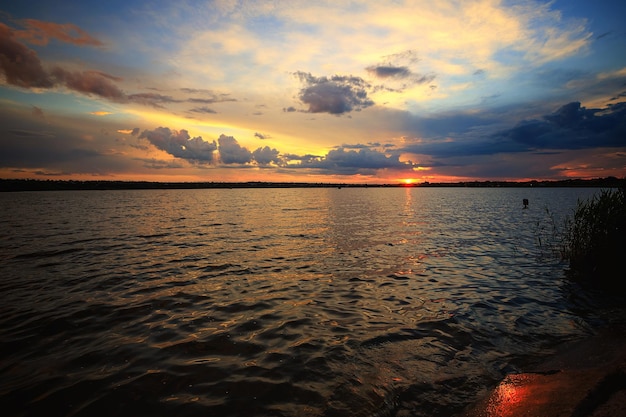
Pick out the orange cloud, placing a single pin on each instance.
(39, 33)
(100, 113)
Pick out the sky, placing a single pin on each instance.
(301, 91)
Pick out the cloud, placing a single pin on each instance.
(158, 164)
(335, 95)
(398, 79)
(396, 68)
(203, 109)
(90, 82)
(38, 112)
(361, 161)
(20, 65)
(213, 100)
(101, 113)
(495, 36)
(266, 156)
(39, 33)
(151, 99)
(180, 144)
(572, 127)
(363, 158)
(308, 158)
(345, 160)
(32, 144)
(231, 152)
(387, 71)
(133, 132)
(261, 135)
(618, 96)
(30, 133)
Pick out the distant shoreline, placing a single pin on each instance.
(7, 185)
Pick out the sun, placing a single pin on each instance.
(408, 181)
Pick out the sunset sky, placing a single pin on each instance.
(313, 91)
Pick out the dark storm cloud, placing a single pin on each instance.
(335, 95)
(180, 144)
(231, 152)
(572, 127)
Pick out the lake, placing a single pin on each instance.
(278, 302)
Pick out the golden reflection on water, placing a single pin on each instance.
(372, 290)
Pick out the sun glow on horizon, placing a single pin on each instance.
(445, 103)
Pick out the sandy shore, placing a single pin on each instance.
(584, 379)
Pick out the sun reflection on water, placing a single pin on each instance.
(509, 396)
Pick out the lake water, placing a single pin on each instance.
(277, 302)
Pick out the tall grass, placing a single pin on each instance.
(594, 240)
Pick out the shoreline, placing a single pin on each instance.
(586, 378)
(7, 185)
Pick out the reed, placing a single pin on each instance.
(594, 240)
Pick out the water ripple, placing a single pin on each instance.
(316, 302)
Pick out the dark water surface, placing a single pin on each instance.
(275, 302)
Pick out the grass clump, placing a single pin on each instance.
(594, 240)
